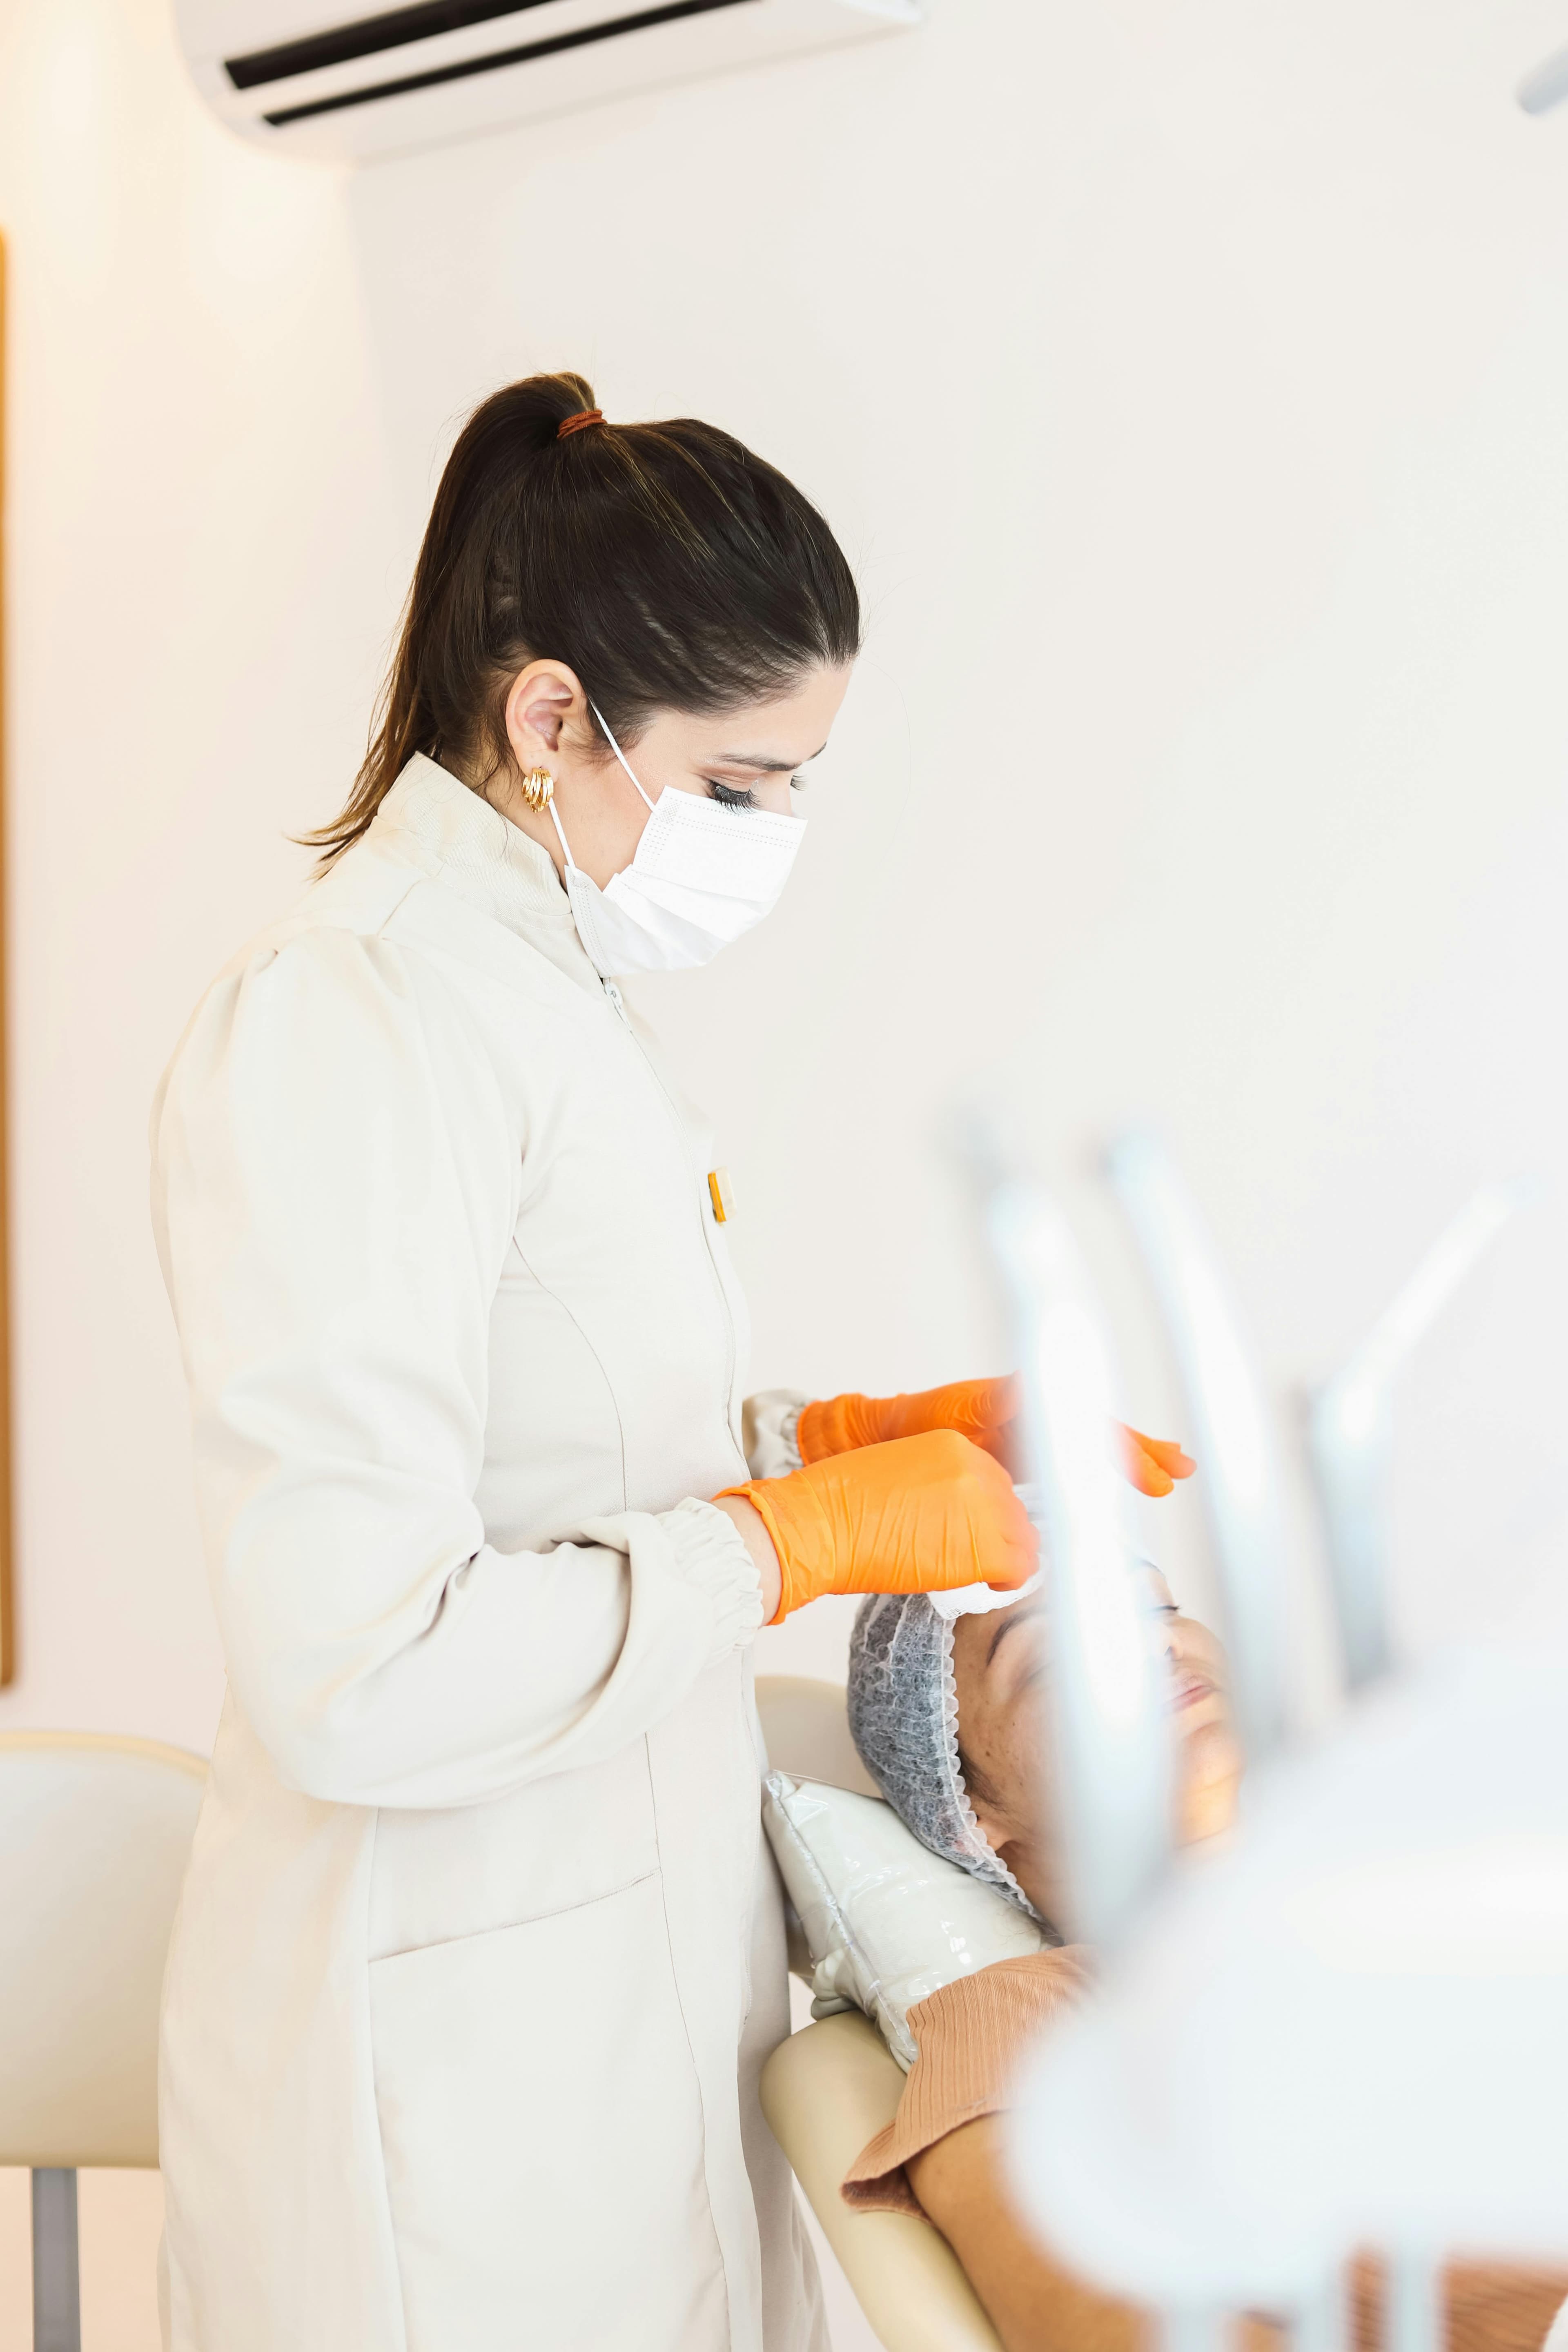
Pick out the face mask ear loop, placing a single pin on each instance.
(621, 757)
(561, 837)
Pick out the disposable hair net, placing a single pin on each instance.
(903, 1719)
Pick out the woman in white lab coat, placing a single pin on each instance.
(479, 1956)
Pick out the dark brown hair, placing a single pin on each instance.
(665, 563)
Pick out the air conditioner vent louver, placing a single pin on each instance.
(552, 45)
(441, 70)
(344, 44)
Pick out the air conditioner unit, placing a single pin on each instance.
(294, 76)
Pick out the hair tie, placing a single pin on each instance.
(584, 416)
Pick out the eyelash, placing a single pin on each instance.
(742, 796)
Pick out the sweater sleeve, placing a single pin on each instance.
(970, 2037)
(334, 1194)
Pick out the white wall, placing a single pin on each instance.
(1188, 391)
(199, 578)
(1188, 388)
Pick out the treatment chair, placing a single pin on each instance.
(832, 2086)
(94, 1833)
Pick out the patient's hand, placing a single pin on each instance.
(1033, 2306)
(1036, 2307)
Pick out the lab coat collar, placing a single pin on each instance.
(461, 839)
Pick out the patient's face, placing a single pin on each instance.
(1000, 1671)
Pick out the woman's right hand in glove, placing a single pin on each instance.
(920, 1514)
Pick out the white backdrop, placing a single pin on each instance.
(1188, 387)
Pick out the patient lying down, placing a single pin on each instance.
(976, 1793)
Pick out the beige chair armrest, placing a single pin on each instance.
(826, 2091)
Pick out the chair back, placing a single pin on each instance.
(806, 1732)
(94, 1836)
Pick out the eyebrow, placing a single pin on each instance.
(768, 767)
(1010, 1618)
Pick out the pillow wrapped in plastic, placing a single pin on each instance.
(885, 1921)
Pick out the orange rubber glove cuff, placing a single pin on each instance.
(920, 1514)
(756, 1493)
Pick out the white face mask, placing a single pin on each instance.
(702, 875)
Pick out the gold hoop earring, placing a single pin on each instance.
(538, 789)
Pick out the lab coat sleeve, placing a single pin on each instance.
(334, 1192)
(770, 1423)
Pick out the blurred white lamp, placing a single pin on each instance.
(1546, 85)
(1350, 1430)
(1237, 1478)
(1345, 2031)
(1110, 1729)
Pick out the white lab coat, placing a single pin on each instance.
(479, 1954)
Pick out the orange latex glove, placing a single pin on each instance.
(1153, 1464)
(985, 1411)
(919, 1514)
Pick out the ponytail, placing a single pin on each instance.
(666, 564)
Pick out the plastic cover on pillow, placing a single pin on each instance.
(886, 1922)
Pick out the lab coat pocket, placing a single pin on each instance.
(564, 1840)
(542, 2131)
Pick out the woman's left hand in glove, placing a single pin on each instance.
(987, 1412)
